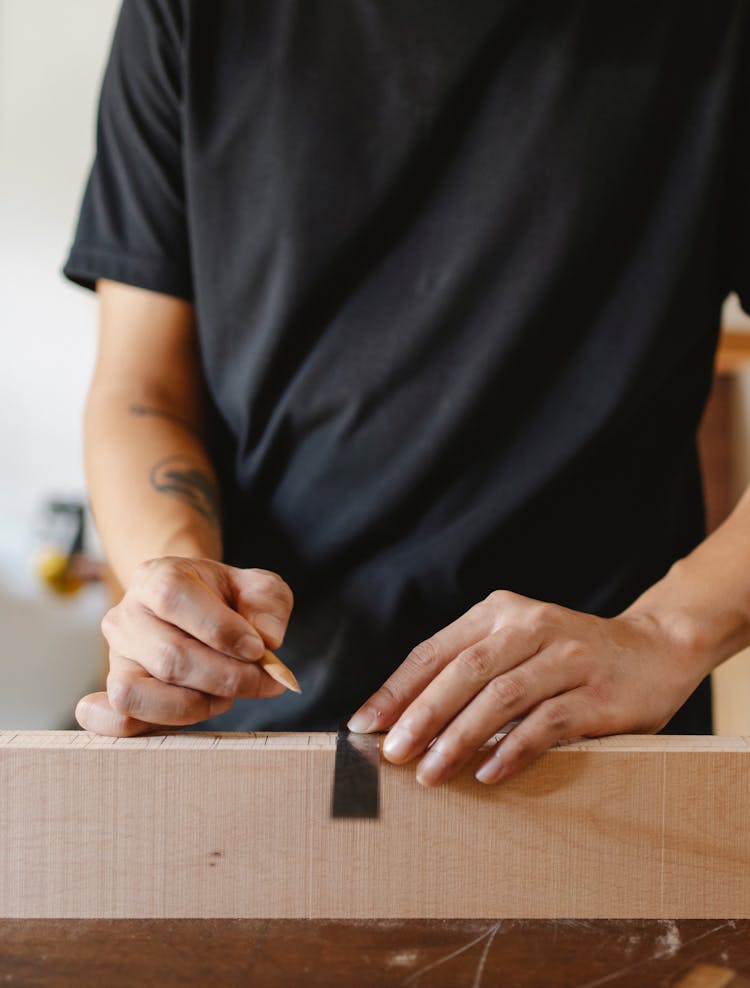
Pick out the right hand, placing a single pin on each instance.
(184, 642)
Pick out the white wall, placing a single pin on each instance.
(51, 59)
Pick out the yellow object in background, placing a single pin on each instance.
(61, 561)
(58, 571)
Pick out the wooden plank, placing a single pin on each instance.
(235, 825)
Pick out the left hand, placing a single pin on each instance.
(564, 673)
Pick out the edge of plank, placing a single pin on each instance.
(291, 741)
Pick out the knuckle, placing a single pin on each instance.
(498, 598)
(109, 623)
(213, 633)
(274, 582)
(539, 613)
(122, 695)
(556, 717)
(386, 697)
(476, 661)
(423, 656)
(450, 751)
(455, 742)
(163, 593)
(283, 590)
(142, 571)
(572, 649)
(508, 691)
(170, 662)
(419, 717)
(521, 752)
(230, 683)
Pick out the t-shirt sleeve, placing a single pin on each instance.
(132, 221)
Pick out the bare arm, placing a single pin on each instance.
(152, 487)
(190, 634)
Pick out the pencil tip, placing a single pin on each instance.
(285, 676)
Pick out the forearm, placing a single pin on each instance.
(704, 599)
(152, 487)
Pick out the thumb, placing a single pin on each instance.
(94, 713)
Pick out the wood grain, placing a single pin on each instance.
(386, 953)
(237, 825)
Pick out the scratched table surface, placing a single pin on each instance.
(379, 953)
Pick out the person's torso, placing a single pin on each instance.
(458, 271)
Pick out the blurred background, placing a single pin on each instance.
(51, 61)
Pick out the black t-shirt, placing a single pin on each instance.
(457, 271)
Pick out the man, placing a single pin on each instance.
(408, 314)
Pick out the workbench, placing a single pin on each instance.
(370, 954)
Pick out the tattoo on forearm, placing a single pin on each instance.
(180, 477)
(148, 410)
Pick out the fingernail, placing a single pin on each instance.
(269, 624)
(251, 646)
(431, 768)
(491, 771)
(398, 744)
(362, 722)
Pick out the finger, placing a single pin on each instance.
(457, 684)
(561, 717)
(176, 593)
(264, 599)
(94, 713)
(419, 668)
(503, 699)
(133, 693)
(171, 656)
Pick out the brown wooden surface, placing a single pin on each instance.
(372, 954)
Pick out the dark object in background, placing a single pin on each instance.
(62, 563)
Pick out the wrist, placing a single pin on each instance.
(674, 633)
(186, 541)
(701, 630)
